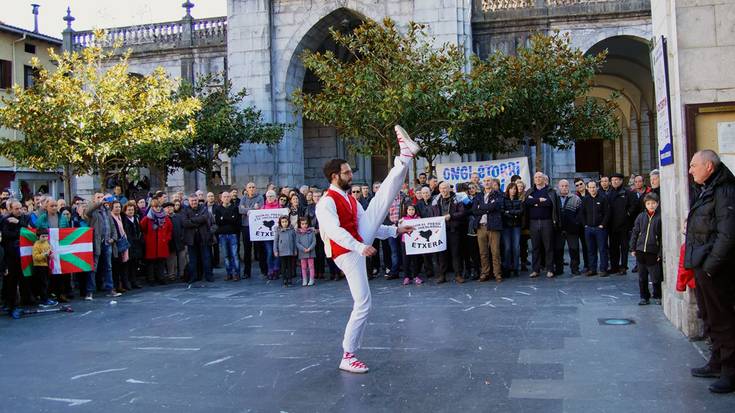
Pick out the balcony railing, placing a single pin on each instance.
(495, 5)
(162, 34)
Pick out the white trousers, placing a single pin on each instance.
(353, 264)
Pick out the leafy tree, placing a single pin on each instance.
(92, 116)
(548, 82)
(391, 78)
(224, 124)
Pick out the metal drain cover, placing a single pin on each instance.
(615, 321)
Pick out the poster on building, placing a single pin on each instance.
(429, 235)
(502, 169)
(659, 62)
(726, 143)
(263, 223)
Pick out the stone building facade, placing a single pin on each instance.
(259, 43)
(700, 37)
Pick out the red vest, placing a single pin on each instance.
(347, 213)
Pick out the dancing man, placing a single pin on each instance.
(348, 232)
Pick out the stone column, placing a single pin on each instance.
(249, 67)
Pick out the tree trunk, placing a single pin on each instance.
(162, 178)
(539, 153)
(430, 166)
(103, 173)
(67, 184)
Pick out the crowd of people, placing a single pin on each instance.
(161, 239)
(489, 234)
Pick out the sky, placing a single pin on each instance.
(102, 13)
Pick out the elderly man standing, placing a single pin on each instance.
(542, 210)
(250, 201)
(710, 244)
(570, 205)
(655, 179)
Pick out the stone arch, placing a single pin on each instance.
(585, 39)
(626, 71)
(319, 141)
(303, 37)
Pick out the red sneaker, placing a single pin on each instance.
(351, 364)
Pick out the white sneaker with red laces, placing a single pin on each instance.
(408, 147)
(352, 364)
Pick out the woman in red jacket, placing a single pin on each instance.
(157, 231)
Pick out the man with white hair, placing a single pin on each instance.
(709, 250)
(655, 178)
(250, 200)
(542, 207)
(348, 232)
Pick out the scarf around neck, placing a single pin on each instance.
(158, 218)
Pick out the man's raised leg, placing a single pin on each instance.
(376, 212)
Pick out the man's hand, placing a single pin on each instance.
(447, 217)
(632, 253)
(369, 251)
(307, 249)
(275, 254)
(404, 230)
(13, 220)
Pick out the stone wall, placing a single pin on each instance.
(701, 52)
(265, 40)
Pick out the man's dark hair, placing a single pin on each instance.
(514, 178)
(422, 173)
(578, 179)
(333, 167)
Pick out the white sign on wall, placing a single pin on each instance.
(663, 104)
(726, 143)
(429, 235)
(263, 223)
(502, 169)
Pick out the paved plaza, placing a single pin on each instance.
(520, 346)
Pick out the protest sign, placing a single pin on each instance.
(263, 223)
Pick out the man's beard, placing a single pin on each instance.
(344, 185)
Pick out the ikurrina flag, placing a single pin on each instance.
(71, 250)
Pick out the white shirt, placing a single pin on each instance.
(329, 228)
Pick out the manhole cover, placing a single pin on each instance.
(615, 321)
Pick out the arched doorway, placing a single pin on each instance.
(626, 71)
(321, 142)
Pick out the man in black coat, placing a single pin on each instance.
(446, 205)
(227, 220)
(595, 216)
(542, 211)
(10, 228)
(569, 205)
(197, 224)
(710, 251)
(623, 211)
(176, 261)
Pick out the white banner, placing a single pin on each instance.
(663, 105)
(429, 235)
(263, 223)
(502, 169)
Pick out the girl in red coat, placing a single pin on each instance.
(157, 230)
